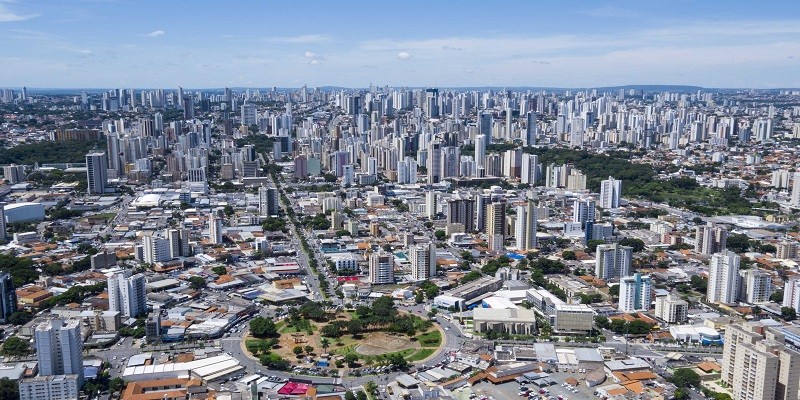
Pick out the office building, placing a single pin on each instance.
(526, 227)
(381, 268)
(573, 318)
(710, 239)
(671, 308)
(96, 172)
(434, 162)
(757, 364)
(610, 193)
(126, 294)
(215, 226)
(514, 321)
(634, 293)
(268, 201)
(423, 261)
(8, 297)
(723, 278)
(613, 261)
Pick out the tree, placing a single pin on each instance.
(788, 313)
(602, 322)
(348, 395)
(440, 234)
(325, 343)
(737, 242)
(9, 390)
(308, 349)
(351, 359)
(568, 255)
(361, 396)
(354, 327)
(116, 385)
(638, 327)
(219, 270)
(262, 327)
(776, 296)
(16, 347)
(197, 283)
(297, 350)
(681, 394)
(637, 244)
(699, 283)
(20, 318)
(591, 246)
(685, 377)
(228, 210)
(613, 291)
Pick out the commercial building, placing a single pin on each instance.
(635, 293)
(8, 297)
(381, 268)
(757, 364)
(723, 278)
(23, 212)
(514, 321)
(573, 318)
(470, 294)
(613, 261)
(671, 308)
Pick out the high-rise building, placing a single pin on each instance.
(634, 293)
(671, 309)
(480, 155)
(126, 294)
(178, 243)
(3, 232)
(155, 249)
(485, 125)
(755, 286)
(495, 225)
(423, 261)
(530, 169)
(59, 349)
(14, 173)
(431, 204)
(795, 197)
(583, 211)
(791, 293)
(434, 162)
(268, 201)
(215, 226)
(786, 250)
(710, 239)
(8, 297)
(610, 193)
(757, 363)
(461, 210)
(526, 227)
(249, 115)
(723, 278)
(381, 268)
(531, 129)
(97, 172)
(613, 261)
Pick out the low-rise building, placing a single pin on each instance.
(514, 321)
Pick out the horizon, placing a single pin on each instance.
(86, 44)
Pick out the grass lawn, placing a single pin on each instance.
(420, 355)
(430, 339)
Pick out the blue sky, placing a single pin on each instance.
(140, 43)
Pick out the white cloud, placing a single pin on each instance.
(314, 62)
(310, 54)
(156, 33)
(85, 51)
(296, 39)
(403, 55)
(7, 15)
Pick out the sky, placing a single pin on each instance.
(212, 44)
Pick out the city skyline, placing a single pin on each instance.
(96, 44)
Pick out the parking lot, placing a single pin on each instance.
(511, 390)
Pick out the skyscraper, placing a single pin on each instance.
(434, 164)
(423, 261)
(613, 261)
(532, 129)
(215, 226)
(461, 210)
(795, 199)
(710, 239)
(381, 268)
(96, 172)
(583, 211)
(634, 293)
(8, 297)
(178, 243)
(526, 227)
(480, 155)
(723, 278)
(268, 201)
(610, 192)
(126, 294)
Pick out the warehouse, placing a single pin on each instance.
(23, 212)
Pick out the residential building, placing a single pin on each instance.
(526, 227)
(215, 226)
(268, 201)
(381, 268)
(126, 294)
(786, 250)
(671, 309)
(461, 210)
(59, 350)
(710, 239)
(613, 261)
(723, 278)
(757, 364)
(791, 293)
(635, 293)
(423, 261)
(155, 249)
(755, 286)
(610, 193)
(97, 172)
